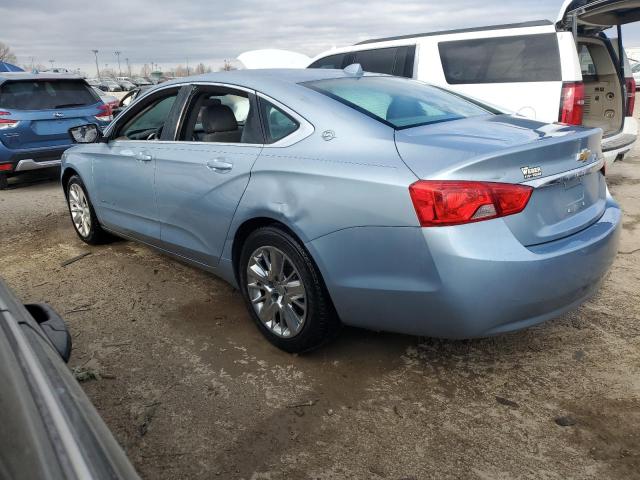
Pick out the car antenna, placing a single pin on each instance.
(354, 69)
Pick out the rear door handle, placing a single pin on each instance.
(143, 157)
(219, 165)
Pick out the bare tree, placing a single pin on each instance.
(227, 66)
(6, 55)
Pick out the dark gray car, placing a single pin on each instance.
(50, 429)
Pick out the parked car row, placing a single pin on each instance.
(118, 84)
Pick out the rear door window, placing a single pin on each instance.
(332, 61)
(46, 94)
(524, 58)
(587, 65)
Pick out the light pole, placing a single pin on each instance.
(95, 52)
(52, 62)
(117, 54)
(128, 67)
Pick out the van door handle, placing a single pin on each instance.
(143, 157)
(219, 165)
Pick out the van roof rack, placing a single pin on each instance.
(535, 23)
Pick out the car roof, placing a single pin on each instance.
(507, 26)
(8, 76)
(261, 79)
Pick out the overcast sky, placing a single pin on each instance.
(170, 32)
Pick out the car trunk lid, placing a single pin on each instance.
(562, 163)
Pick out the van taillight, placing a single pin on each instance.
(631, 95)
(572, 103)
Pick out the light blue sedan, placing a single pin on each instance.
(334, 197)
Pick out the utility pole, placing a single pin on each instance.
(187, 66)
(52, 62)
(95, 52)
(128, 67)
(117, 54)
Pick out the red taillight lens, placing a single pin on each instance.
(105, 113)
(5, 122)
(631, 95)
(6, 167)
(572, 103)
(442, 202)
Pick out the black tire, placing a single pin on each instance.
(321, 323)
(4, 182)
(96, 235)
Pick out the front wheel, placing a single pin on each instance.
(83, 216)
(284, 292)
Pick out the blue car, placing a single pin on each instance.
(36, 112)
(332, 197)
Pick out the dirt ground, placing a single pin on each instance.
(191, 389)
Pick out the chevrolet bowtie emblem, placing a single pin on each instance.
(584, 155)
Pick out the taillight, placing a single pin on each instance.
(6, 122)
(105, 113)
(631, 95)
(572, 103)
(443, 202)
(6, 167)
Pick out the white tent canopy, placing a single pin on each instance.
(273, 58)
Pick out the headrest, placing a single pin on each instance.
(403, 107)
(218, 118)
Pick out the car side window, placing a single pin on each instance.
(277, 123)
(148, 123)
(587, 65)
(379, 60)
(332, 61)
(221, 115)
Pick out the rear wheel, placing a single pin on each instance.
(4, 182)
(284, 292)
(83, 217)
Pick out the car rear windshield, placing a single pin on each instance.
(45, 94)
(523, 58)
(398, 102)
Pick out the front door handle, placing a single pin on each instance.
(219, 165)
(143, 157)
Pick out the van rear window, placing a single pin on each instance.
(45, 94)
(524, 58)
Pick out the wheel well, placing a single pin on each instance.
(68, 173)
(245, 230)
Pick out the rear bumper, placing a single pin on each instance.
(460, 282)
(33, 159)
(621, 143)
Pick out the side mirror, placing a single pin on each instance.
(53, 327)
(89, 133)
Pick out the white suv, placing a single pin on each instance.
(567, 71)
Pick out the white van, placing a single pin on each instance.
(567, 71)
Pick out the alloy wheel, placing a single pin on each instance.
(276, 291)
(80, 212)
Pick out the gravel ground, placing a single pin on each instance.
(191, 389)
